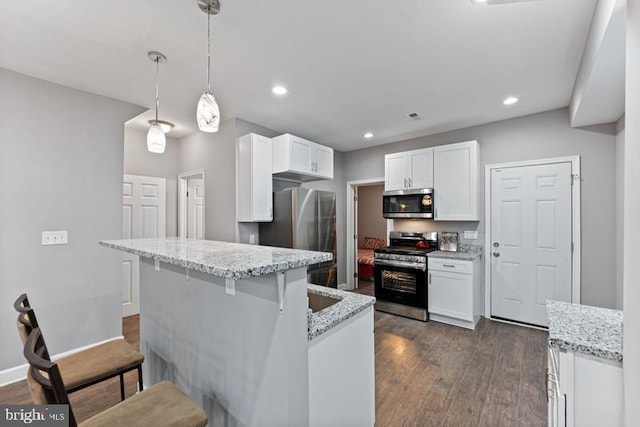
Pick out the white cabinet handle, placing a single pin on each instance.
(429, 278)
(449, 265)
(410, 182)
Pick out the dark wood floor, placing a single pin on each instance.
(427, 374)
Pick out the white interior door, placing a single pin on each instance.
(530, 249)
(195, 208)
(143, 215)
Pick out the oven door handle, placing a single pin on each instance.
(412, 265)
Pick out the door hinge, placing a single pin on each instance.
(355, 236)
(355, 198)
(571, 246)
(187, 194)
(355, 275)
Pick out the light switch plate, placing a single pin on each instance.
(470, 234)
(55, 237)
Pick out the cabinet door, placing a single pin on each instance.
(456, 182)
(451, 295)
(396, 171)
(301, 153)
(261, 183)
(421, 165)
(323, 161)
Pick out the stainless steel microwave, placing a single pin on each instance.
(416, 203)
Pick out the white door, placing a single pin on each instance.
(530, 240)
(195, 208)
(143, 215)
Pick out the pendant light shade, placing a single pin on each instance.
(208, 112)
(156, 139)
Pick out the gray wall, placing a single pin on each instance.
(631, 272)
(139, 161)
(370, 220)
(61, 157)
(537, 136)
(216, 154)
(620, 139)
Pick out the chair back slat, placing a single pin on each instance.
(44, 379)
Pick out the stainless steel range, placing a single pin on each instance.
(401, 274)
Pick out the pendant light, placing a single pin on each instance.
(208, 112)
(156, 139)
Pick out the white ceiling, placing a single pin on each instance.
(350, 66)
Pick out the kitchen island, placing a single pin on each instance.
(229, 324)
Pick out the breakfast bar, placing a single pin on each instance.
(230, 325)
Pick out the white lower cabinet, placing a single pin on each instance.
(342, 374)
(583, 390)
(454, 294)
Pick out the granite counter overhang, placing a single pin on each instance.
(350, 305)
(465, 253)
(594, 331)
(228, 260)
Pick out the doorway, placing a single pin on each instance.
(365, 225)
(191, 204)
(143, 216)
(533, 237)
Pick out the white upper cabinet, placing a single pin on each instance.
(455, 182)
(301, 160)
(253, 177)
(409, 170)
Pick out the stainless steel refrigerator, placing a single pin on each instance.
(305, 219)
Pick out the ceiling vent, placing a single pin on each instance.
(414, 116)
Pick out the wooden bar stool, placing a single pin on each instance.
(161, 405)
(89, 366)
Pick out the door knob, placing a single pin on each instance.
(496, 254)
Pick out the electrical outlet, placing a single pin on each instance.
(252, 239)
(55, 237)
(471, 234)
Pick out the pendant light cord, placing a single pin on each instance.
(157, 60)
(209, 49)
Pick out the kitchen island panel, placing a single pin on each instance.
(239, 357)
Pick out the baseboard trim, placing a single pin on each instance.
(19, 373)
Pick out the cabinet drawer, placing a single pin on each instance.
(450, 265)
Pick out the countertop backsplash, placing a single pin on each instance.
(430, 225)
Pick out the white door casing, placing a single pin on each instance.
(143, 215)
(352, 245)
(530, 242)
(195, 208)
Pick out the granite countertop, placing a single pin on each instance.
(584, 329)
(351, 304)
(465, 253)
(229, 260)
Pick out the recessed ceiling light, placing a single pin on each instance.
(479, 1)
(368, 135)
(510, 100)
(279, 90)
